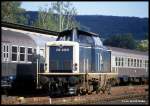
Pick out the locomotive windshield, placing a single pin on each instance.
(65, 36)
(97, 41)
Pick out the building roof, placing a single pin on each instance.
(127, 50)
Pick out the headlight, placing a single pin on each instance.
(11, 77)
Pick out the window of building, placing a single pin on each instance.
(29, 54)
(22, 53)
(14, 53)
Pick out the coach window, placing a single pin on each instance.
(34, 51)
(146, 63)
(29, 54)
(128, 62)
(122, 60)
(22, 53)
(14, 53)
(131, 62)
(116, 61)
(5, 52)
(140, 63)
(119, 61)
(134, 62)
(137, 62)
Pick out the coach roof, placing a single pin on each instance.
(29, 28)
(127, 50)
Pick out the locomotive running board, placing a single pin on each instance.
(77, 73)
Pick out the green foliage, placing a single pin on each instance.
(142, 45)
(11, 12)
(123, 41)
(66, 13)
(58, 17)
(45, 20)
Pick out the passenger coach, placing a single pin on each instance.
(20, 47)
(131, 65)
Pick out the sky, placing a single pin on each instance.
(114, 8)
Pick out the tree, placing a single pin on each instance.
(123, 41)
(58, 17)
(46, 19)
(66, 13)
(11, 12)
(142, 45)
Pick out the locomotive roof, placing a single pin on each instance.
(28, 28)
(78, 31)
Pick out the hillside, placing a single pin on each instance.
(108, 25)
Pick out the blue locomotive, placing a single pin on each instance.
(74, 59)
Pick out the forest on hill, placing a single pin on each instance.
(107, 26)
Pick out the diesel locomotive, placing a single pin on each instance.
(75, 61)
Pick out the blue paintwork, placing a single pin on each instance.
(61, 58)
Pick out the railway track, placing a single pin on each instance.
(118, 93)
(106, 99)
